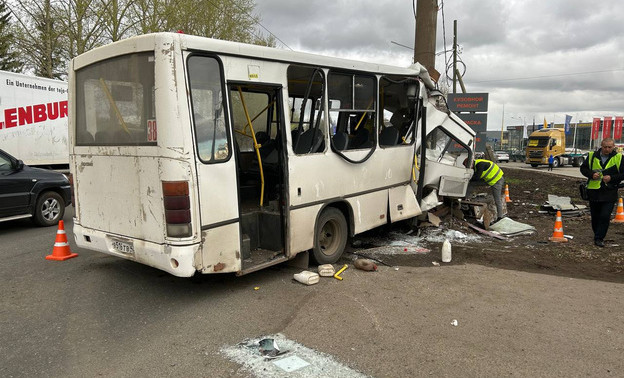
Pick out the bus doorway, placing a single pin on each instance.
(257, 124)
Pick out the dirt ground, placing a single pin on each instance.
(577, 258)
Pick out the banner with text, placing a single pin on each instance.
(595, 129)
(468, 102)
(477, 122)
(606, 128)
(617, 128)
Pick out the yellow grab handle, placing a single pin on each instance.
(337, 275)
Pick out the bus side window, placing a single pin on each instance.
(207, 105)
(397, 123)
(306, 103)
(352, 111)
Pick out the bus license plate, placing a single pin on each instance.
(123, 247)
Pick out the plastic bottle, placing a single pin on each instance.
(446, 251)
(307, 277)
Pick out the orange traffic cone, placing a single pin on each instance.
(61, 249)
(558, 231)
(619, 215)
(507, 199)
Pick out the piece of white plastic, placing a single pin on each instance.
(446, 251)
(307, 277)
(326, 270)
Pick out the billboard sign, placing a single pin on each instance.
(468, 102)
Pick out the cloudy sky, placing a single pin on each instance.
(537, 58)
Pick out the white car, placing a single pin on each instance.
(502, 156)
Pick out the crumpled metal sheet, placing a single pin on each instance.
(509, 227)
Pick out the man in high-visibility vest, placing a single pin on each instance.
(603, 170)
(490, 173)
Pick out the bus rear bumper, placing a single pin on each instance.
(176, 260)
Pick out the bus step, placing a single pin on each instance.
(249, 268)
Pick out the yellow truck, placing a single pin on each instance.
(550, 141)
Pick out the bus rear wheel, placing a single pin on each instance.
(330, 236)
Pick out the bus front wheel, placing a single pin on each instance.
(330, 236)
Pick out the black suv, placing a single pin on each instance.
(31, 192)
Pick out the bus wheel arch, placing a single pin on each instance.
(331, 232)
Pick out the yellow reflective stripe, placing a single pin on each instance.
(492, 174)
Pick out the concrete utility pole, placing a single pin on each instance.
(425, 35)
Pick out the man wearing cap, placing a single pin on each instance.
(490, 173)
(603, 170)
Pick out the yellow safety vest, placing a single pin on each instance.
(594, 164)
(492, 174)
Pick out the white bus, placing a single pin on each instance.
(191, 154)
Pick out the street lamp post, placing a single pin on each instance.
(523, 119)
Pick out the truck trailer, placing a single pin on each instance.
(33, 119)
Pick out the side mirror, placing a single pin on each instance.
(19, 165)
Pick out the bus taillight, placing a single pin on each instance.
(177, 208)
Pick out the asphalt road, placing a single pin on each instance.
(96, 315)
(567, 170)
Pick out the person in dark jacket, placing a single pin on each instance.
(488, 172)
(603, 170)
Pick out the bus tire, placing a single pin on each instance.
(556, 163)
(330, 236)
(49, 209)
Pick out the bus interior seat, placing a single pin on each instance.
(267, 145)
(309, 141)
(360, 139)
(340, 140)
(389, 136)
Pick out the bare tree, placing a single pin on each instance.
(9, 59)
(52, 32)
(39, 37)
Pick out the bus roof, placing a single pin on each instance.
(148, 42)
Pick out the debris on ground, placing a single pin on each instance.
(365, 264)
(563, 204)
(326, 270)
(446, 251)
(306, 277)
(337, 275)
(300, 361)
(509, 227)
(268, 348)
